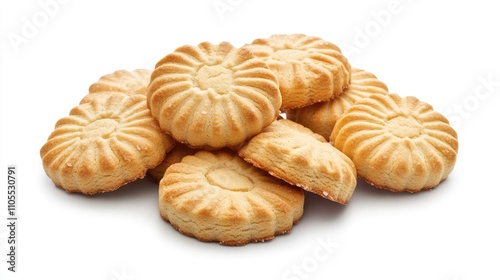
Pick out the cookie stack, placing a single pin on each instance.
(235, 135)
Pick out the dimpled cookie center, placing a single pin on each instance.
(289, 54)
(216, 77)
(101, 128)
(229, 180)
(404, 126)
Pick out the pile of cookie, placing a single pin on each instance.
(235, 135)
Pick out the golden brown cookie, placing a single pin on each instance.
(103, 144)
(309, 69)
(218, 197)
(397, 143)
(322, 116)
(292, 152)
(173, 156)
(128, 82)
(213, 96)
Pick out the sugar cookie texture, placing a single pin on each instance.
(173, 156)
(294, 153)
(103, 144)
(309, 69)
(127, 82)
(397, 143)
(213, 96)
(322, 116)
(218, 197)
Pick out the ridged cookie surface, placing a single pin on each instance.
(218, 197)
(322, 116)
(213, 96)
(103, 144)
(292, 152)
(397, 143)
(308, 68)
(128, 82)
(175, 155)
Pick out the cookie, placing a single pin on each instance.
(292, 152)
(309, 69)
(397, 143)
(322, 116)
(173, 156)
(128, 82)
(218, 197)
(213, 96)
(103, 144)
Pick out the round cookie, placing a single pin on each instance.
(103, 144)
(218, 197)
(173, 156)
(322, 116)
(309, 69)
(292, 152)
(397, 143)
(213, 96)
(128, 82)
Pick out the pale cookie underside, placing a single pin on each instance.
(295, 154)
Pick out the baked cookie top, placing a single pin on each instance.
(128, 82)
(322, 116)
(397, 143)
(103, 144)
(309, 69)
(175, 155)
(213, 96)
(292, 152)
(218, 197)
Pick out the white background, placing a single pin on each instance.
(446, 54)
